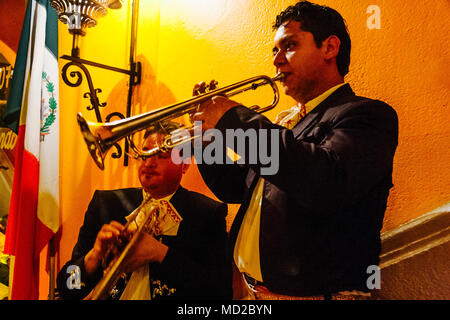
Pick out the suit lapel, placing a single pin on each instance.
(306, 122)
(313, 117)
(178, 198)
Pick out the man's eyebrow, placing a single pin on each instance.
(282, 41)
(288, 37)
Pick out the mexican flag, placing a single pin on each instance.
(32, 112)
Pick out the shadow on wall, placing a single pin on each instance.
(149, 94)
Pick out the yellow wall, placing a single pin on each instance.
(405, 63)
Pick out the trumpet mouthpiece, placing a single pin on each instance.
(279, 77)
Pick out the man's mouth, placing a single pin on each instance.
(150, 173)
(285, 76)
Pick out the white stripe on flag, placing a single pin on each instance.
(32, 90)
(48, 203)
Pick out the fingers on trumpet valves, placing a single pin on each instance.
(199, 88)
(202, 87)
(113, 237)
(124, 238)
(110, 231)
(213, 85)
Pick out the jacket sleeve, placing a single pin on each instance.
(73, 283)
(330, 167)
(226, 181)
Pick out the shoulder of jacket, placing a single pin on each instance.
(358, 104)
(202, 203)
(116, 192)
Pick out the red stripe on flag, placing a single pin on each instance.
(21, 234)
(11, 228)
(43, 235)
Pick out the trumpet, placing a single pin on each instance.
(100, 137)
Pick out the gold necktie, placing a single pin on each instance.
(289, 118)
(163, 221)
(155, 208)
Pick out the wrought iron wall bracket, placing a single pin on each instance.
(75, 78)
(134, 73)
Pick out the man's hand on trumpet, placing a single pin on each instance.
(146, 250)
(209, 112)
(113, 237)
(110, 235)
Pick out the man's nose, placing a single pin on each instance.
(150, 161)
(279, 59)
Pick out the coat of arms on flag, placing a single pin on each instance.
(49, 105)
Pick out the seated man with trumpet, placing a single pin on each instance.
(180, 253)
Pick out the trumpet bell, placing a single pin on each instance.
(95, 146)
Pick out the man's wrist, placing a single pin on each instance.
(92, 261)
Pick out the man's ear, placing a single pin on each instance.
(330, 47)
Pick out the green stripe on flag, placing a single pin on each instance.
(14, 101)
(51, 36)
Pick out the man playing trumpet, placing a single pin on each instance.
(184, 258)
(312, 229)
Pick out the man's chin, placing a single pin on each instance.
(287, 87)
(288, 91)
(149, 187)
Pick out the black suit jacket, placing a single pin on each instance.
(196, 263)
(323, 210)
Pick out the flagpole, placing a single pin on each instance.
(51, 264)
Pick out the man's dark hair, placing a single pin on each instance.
(322, 22)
